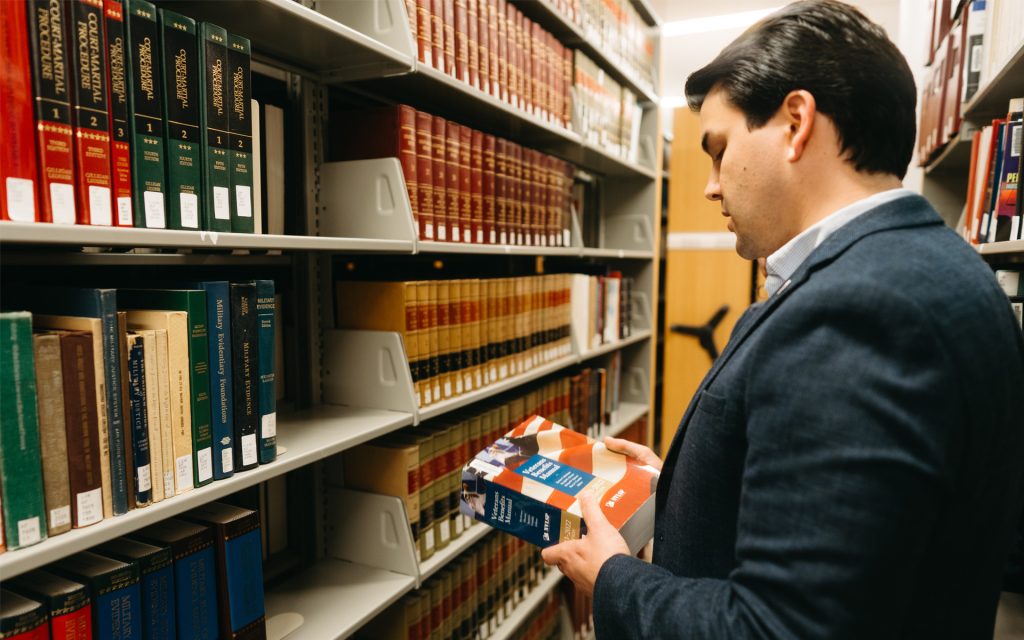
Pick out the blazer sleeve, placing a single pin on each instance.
(848, 409)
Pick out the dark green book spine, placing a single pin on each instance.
(20, 466)
(139, 422)
(146, 114)
(180, 56)
(240, 124)
(245, 371)
(267, 397)
(213, 125)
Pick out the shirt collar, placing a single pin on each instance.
(782, 264)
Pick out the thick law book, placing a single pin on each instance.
(90, 117)
(117, 87)
(129, 449)
(245, 369)
(155, 565)
(179, 59)
(424, 207)
(139, 419)
(218, 323)
(114, 590)
(214, 127)
(22, 618)
(195, 574)
(66, 602)
(18, 199)
(240, 133)
(52, 432)
(50, 86)
(21, 477)
(266, 330)
(391, 467)
(239, 557)
(529, 482)
(154, 425)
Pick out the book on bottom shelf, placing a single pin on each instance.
(66, 603)
(22, 618)
(154, 565)
(529, 482)
(113, 588)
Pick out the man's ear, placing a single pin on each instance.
(798, 111)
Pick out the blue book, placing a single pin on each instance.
(139, 421)
(195, 575)
(267, 429)
(239, 568)
(114, 589)
(218, 323)
(156, 582)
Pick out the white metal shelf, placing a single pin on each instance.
(622, 254)
(522, 611)
(992, 99)
(476, 532)
(1001, 248)
(494, 249)
(597, 159)
(638, 336)
(305, 437)
(629, 412)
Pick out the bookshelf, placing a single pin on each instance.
(364, 49)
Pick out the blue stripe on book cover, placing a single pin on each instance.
(531, 520)
(195, 589)
(158, 604)
(118, 614)
(218, 328)
(244, 568)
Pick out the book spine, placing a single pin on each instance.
(90, 115)
(157, 588)
(145, 104)
(107, 303)
(244, 342)
(18, 198)
(975, 45)
(424, 40)
(483, 56)
(265, 312)
(118, 612)
(82, 429)
(501, 180)
(218, 313)
(74, 625)
(140, 426)
(448, 20)
(451, 173)
(476, 182)
(473, 40)
(440, 181)
(153, 424)
(125, 389)
(406, 135)
(195, 589)
(117, 88)
(50, 84)
(425, 174)
(180, 72)
(169, 403)
(241, 578)
(240, 137)
(487, 190)
(52, 438)
(199, 383)
(466, 184)
(214, 128)
(461, 44)
(437, 34)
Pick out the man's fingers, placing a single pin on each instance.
(592, 514)
(633, 450)
(552, 555)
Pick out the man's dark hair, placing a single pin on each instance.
(857, 76)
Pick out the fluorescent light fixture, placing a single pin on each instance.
(714, 23)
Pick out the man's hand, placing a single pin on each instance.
(581, 560)
(638, 452)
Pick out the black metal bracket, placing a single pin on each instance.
(705, 333)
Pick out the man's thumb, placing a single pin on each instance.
(590, 506)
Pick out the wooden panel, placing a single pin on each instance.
(688, 209)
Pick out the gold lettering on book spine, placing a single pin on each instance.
(146, 67)
(238, 84)
(181, 78)
(217, 74)
(56, 43)
(118, 88)
(94, 68)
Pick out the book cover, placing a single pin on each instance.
(214, 127)
(239, 557)
(425, 175)
(195, 575)
(193, 302)
(117, 88)
(66, 603)
(114, 591)
(52, 433)
(437, 147)
(90, 111)
(528, 484)
(155, 566)
(22, 618)
(154, 425)
(179, 59)
(18, 199)
(240, 133)
(451, 173)
(266, 330)
(129, 450)
(1005, 208)
(168, 434)
(245, 369)
(50, 86)
(143, 482)
(218, 322)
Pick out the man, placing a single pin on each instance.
(851, 465)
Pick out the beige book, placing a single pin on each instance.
(95, 327)
(153, 425)
(474, 308)
(52, 433)
(427, 351)
(163, 381)
(387, 468)
(460, 341)
(444, 338)
(490, 295)
(435, 340)
(175, 323)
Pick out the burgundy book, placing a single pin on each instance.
(451, 172)
(514, 191)
(466, 184)
(496, 50)
(473, 43)
(425, 174)
(487, 194)
(82, 426)
(440, 179)
(476, 205)
(437, 33)
(511, 20)
(424, 41)
(501, 23)
(18, 200)
(484, 47)
(462, 40)
(449, 37)
(501, 179)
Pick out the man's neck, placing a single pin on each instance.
(841, 192)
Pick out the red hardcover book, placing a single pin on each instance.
(496, 50)
(501, 180)
(473, 42)
(90, 117)
(513, 210)
(18, 162)
(476, 204)
(120, 153)
(537, 56)
(424, 41)
(451, 172)
(525, 196)
(449, 37)
(566, 86)
(954, 80)
(503, 50)
(532, 218)
(462, 40)
(466, 184)
(440, 179)
(487, 192)
(437, 33)
(513, 54)
(21, 618)
(484, 46)
(425, 173)
(522, 59)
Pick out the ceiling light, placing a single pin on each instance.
(714, 23)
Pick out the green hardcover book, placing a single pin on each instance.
(213, 126)
(194, 304)
(180, 56)
(146, 115)
(240, 126)
(267, 429)
(21, 474)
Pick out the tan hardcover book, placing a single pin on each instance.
(163, 380)
(95, 327)
(52, 432)
(494, 328)
(153, 421)
(444, 338)
(388, 468)
(418, 364)
(479, 338)
(457, 337)
(427, 354)
(433, 323)
(175, 324)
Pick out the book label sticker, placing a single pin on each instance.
(124, 212)
(154, 202)
(99, 205)
(248, 449)
(446, 534)
(458, 385)
(28, 531)
(459, 525)
(442, 232)
(429, 231)
(189, 210)
(221, 203)
(168, 484)
(204, 460)
(62, 199)
(479, 236)
(227, 460)
(447, 389)
(60, 516)
(20, 202)
(428, 538)
(269, 426)
(243, 196)
(145, 479)
(90, 506)
(183, 472)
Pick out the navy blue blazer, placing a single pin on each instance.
(851, 466)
